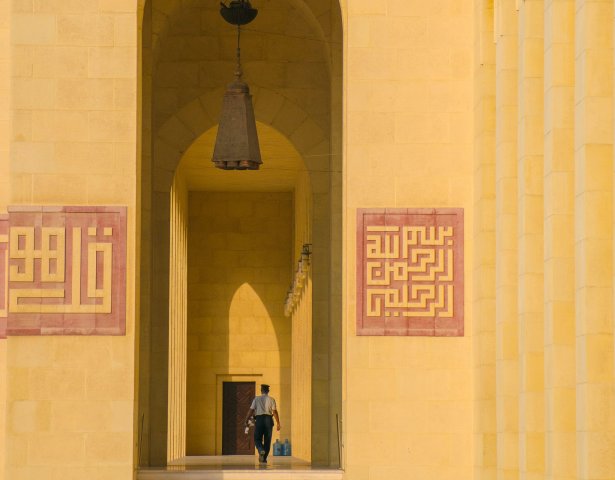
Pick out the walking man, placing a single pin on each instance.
(264, 409)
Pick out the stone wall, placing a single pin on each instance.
(73, 141)
(503, 108)
(409, 130)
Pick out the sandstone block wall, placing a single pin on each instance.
(68, 137)
(409, 130)
(503, 108)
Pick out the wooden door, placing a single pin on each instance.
(236, 400)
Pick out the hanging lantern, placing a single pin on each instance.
(237, 140)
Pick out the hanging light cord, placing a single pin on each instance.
(238, 71)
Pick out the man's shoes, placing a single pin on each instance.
(261, 457)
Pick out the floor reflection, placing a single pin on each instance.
(238, 462)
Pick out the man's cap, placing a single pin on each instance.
(265, 387)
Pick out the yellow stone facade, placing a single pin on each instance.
(501, 107)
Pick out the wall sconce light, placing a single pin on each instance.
(306, 252)
(293, 296)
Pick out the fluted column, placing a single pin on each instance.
(507, 365)
(560, 436)
(178, 319)
(485, 426)
(301, 373)
(531, 238)
(594, 239)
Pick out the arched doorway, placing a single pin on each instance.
(292, 62)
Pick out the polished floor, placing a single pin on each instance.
(239, 467)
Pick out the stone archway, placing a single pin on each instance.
(176, 112)
(180, 131)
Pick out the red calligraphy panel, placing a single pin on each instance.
(66, 271)
(410, 272)
(4, 272)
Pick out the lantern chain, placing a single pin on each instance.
(238, 71)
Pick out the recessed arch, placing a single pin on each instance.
(303, 104)
(280, 171)
(179, 132)
(317, 13)
(241, 218)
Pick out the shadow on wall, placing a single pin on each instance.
(239, 266)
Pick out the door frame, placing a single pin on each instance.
(220, 379)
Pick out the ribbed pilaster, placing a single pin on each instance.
(559, 266)
(507, 347)
(484, 331)
(594, 239)
(178, 319)
(531, 240)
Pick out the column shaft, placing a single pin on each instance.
(531, 238)
(560, 437)
(507, 365)
(178, 319)
(594, 239)
(485, 425)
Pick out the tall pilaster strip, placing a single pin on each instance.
(178, 320)
(594, 239)
(5, 95)
(531, 238)
(5, 86)
(560, 434)
(485, 425)
(507, 364)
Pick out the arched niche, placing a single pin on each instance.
(311, 119)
